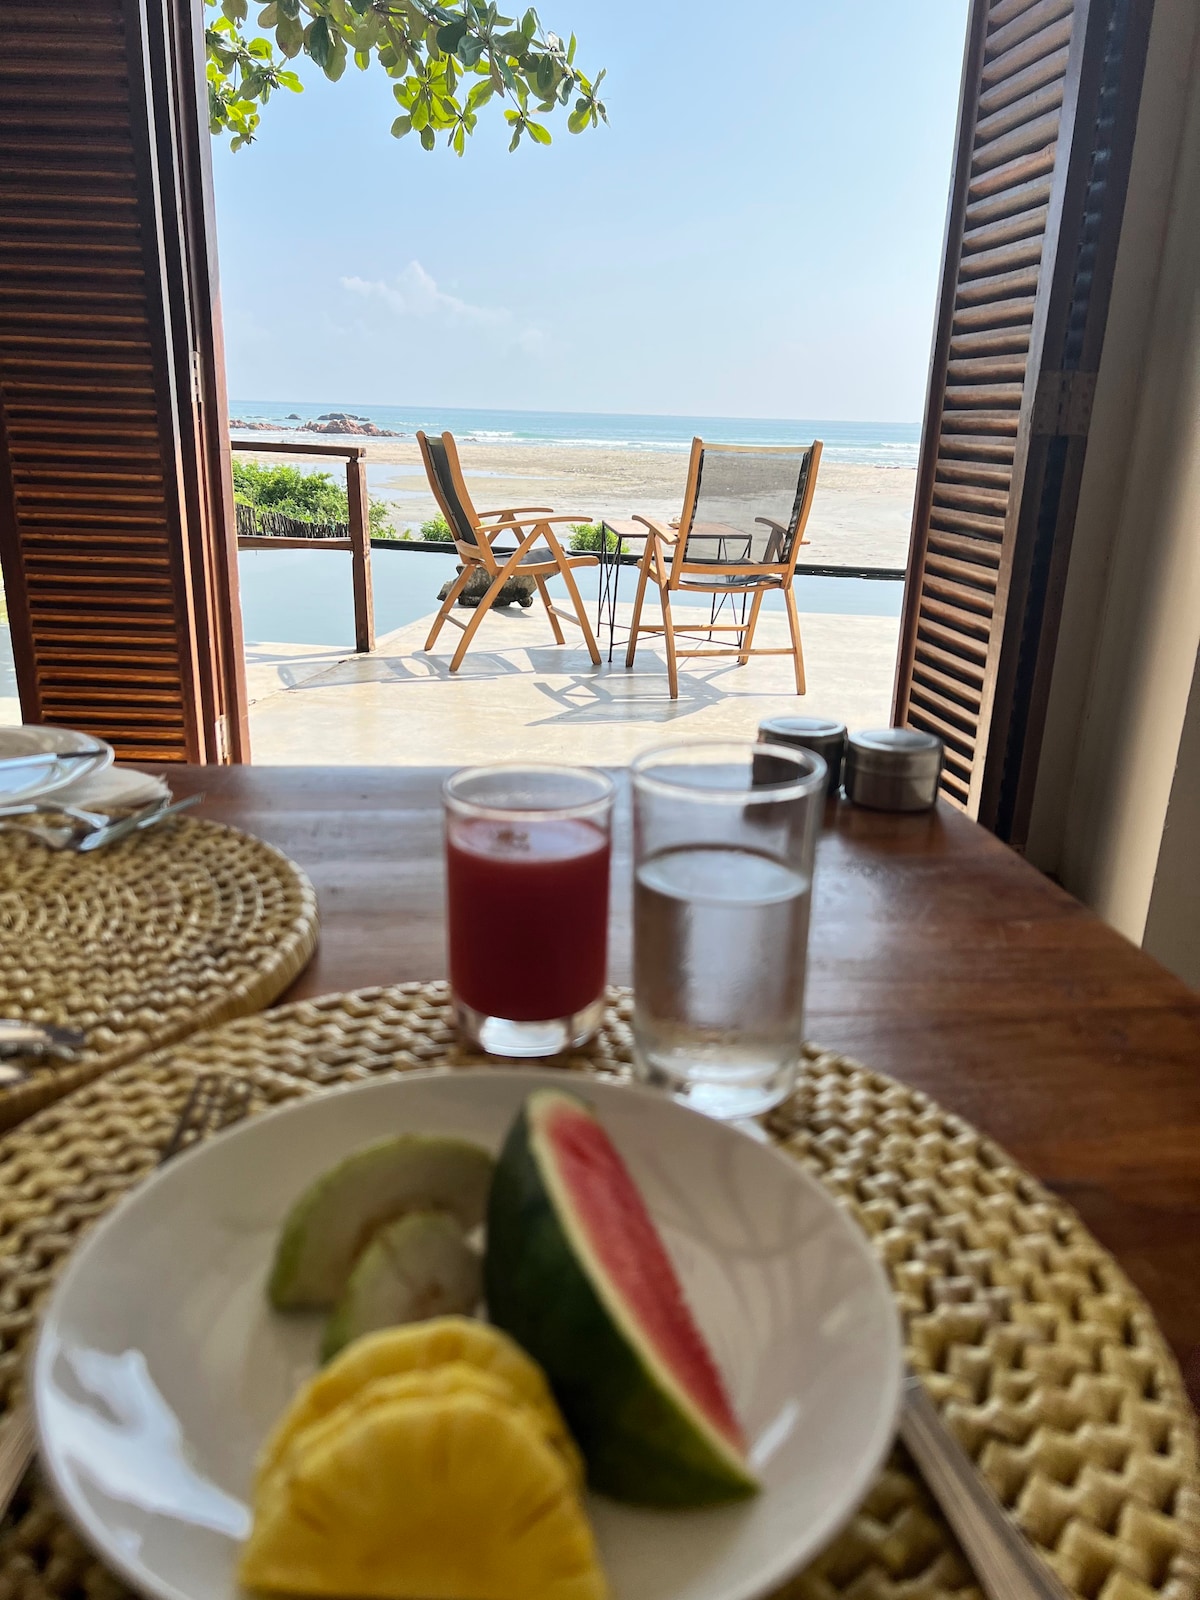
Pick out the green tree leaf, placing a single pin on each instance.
(289, 36)
(318, 43)
(451, 36)
(426, 45)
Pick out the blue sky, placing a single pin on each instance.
(758, 233)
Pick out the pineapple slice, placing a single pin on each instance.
(408, 1495)
(454, 1378)
(421, 1346)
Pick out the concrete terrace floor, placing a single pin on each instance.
(520, 695)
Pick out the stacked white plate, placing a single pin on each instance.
(31, 764)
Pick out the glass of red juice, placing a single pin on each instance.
(527, 865)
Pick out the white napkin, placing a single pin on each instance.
(115, 790)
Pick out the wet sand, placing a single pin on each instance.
(860, 514)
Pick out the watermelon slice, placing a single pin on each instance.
(576, 1272)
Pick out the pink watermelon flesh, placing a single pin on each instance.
(619, 1231)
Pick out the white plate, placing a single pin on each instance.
(30, 783)
(160, 1367)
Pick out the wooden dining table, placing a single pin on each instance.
(937, 955)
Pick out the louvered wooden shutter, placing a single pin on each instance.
(1049, 106)
(118, 557)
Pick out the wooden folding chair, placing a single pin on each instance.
(474, 532)
(755, 499)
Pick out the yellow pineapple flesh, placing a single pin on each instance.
(430, 1488)
(423, 1346)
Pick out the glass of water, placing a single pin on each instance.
(724, 835)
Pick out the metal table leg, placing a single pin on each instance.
(610, 583)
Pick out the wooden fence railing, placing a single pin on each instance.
(356, 539)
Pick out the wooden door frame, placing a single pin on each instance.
(1056, 413)
(943, 324)
(161, 44)
(175, 61)
(1106, 59)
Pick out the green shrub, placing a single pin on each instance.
(307, 496)
(436, 528)
(587, 536)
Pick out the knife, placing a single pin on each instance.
(41, 757)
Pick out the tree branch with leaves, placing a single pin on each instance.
(448, 63)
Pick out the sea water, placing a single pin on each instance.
(876, 444)
(720, 943)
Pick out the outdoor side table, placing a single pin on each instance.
(610, 572)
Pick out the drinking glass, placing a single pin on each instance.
(724, 834)
(527, 861)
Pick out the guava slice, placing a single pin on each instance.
(336, 1217)
(415, 1268)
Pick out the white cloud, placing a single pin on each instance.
(414, 293)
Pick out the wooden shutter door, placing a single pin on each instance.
(116, 529)
(1049, 106)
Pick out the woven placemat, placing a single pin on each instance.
(1045, 1360)
(141, 943)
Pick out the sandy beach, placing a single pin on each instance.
(860, 514)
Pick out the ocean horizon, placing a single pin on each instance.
(875, 444)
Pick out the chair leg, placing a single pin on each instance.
(481, 611)
(797, 647)
(456, 588)
(559, 637)
(589, 638)
(748, 630)
(669, 639)
(643, 575)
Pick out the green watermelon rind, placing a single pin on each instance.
(643, 1439)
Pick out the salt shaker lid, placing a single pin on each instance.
(802, 729)
(900, 751)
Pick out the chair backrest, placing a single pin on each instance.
(445, 479)
(746, 503)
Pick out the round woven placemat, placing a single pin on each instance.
(143, 942)
(1045, 1360)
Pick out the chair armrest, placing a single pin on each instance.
(529, 521)
(769, 522)
(511, 511)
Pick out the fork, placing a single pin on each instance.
(74, 823)
(1002, 1558)
(46, 1044)
(214, 1102)
(90, 819)
(98, 830)
(148, 817)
